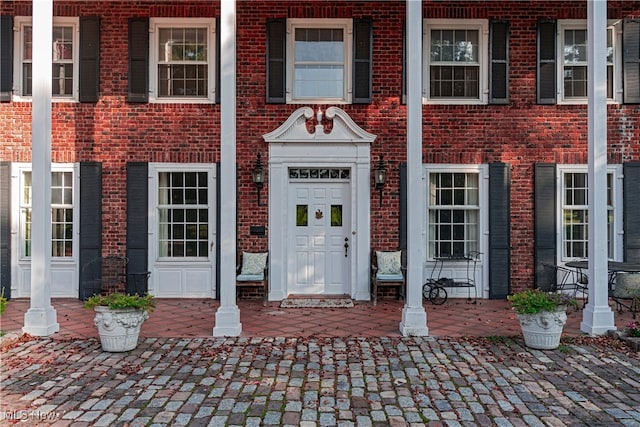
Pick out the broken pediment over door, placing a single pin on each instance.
(331, 125)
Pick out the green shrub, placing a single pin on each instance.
(3, 301)
(534, 301)
(120, 300)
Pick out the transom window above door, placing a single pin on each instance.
(319, 173)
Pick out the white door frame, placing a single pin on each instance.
(181, 277)
(64, 270)
(345, 146)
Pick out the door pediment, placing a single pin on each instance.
(296, 128)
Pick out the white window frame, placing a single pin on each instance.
(482, 171)
(154, 233)
(155, 24)
(618, 230)
(579, 24)
(482, 26)
(347, 26)
(20, 22)
(17, 195)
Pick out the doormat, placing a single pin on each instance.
(316, 303)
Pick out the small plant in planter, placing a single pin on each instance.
(542, 316)
(119, 317)
(534, 301)
(633, 329)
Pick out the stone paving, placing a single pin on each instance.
(321, 382)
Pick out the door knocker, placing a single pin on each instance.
(319, 214)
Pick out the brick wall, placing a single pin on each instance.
(520, 133)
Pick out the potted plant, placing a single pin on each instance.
(119, 317)
(542, 316)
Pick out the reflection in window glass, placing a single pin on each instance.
(302, 215)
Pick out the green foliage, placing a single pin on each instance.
(534, 301)
(119, 300)
(633, 329)
(3, 302)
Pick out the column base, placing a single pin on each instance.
(227, 322)
(414, 322)
(40, 322)
(597, 320)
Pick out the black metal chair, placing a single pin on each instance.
(564, 279)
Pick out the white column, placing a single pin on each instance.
(597, 316)
(414, 316)
(228, 314)
(40, 319)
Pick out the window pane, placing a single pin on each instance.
(319, 63)
(182, 62)
(336, 215)
(453, 231)
(183, 214)
(302, 215)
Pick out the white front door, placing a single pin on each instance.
(320, 246)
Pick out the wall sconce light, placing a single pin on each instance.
(380, 177)
(258, 176)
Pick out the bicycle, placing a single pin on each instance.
(434, 291)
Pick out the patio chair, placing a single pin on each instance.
(253, 272)
(564, 279)
(388, 269)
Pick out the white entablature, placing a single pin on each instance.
(344, 129)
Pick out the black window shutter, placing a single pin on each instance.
(138, 60)
(631, 206)
(276, 61)
(137, 224)
(218, 57)
(631, 61)
(403, 206)
(546, 62)
(362, 60)
(499, 259)
(6, 57)
(90, 228)
(5, 229)
(544, 212)
(499, 62)
(89, 58)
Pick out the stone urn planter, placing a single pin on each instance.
(542, 317)
(543, 330)
(119, 318)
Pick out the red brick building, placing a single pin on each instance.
(136, 140)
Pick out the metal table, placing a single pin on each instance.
(615, 267)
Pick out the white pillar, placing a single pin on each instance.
(228, 314)
(597, 316)
(40, 319)
(414, 316)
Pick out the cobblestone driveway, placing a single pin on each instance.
(322, 382)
